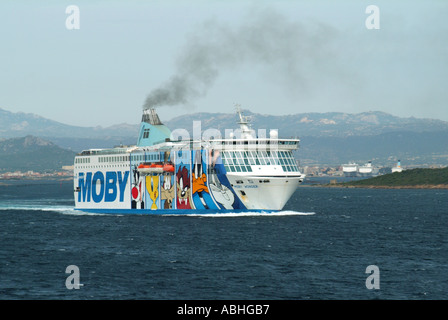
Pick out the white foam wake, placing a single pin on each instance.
(247, 214)
(70, 210)
(48, 208)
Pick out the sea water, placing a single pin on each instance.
(322, 246)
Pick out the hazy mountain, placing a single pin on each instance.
(413, 148)
(32, 154)
(22, 124)
(326, 138)
(331, 124)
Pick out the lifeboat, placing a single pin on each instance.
(150, 168)
(168, 167)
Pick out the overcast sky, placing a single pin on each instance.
(272, 57)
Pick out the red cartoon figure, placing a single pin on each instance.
(183, 188)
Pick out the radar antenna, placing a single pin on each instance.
(246, 131)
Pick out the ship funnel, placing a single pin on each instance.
(150, 116)
(152, 130)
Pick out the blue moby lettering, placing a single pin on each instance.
(98, 179)
(99, 187)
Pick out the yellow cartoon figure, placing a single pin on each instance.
(152, 185)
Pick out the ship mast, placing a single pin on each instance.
(246, 131)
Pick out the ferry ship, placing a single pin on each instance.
(397, 168)
(368, 170)
(350, 169)
(163, 174)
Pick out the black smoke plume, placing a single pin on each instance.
(290, 53)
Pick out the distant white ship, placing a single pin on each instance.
(350, 169)
(397, 168)
(367, 169)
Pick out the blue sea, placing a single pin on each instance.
(318, 248)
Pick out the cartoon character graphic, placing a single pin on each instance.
(152, 186)
(219, 184)
(183, 188)
(223, 195)
(137, 190)
(200, 193)
(167, 192)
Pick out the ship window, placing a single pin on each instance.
(239, 181)
(238, 169)
(243, 168)
(242, 192)
(146, 134)
(249, 169)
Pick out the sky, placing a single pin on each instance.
(271, 57)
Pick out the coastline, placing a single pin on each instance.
(422, 186)
(15, 181)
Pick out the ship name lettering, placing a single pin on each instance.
(99, 187)
(253, 186)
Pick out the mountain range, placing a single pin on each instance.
(32, 154)
(326, 138)
(330, 124)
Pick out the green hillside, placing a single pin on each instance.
(32, 154)
(414, 177)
